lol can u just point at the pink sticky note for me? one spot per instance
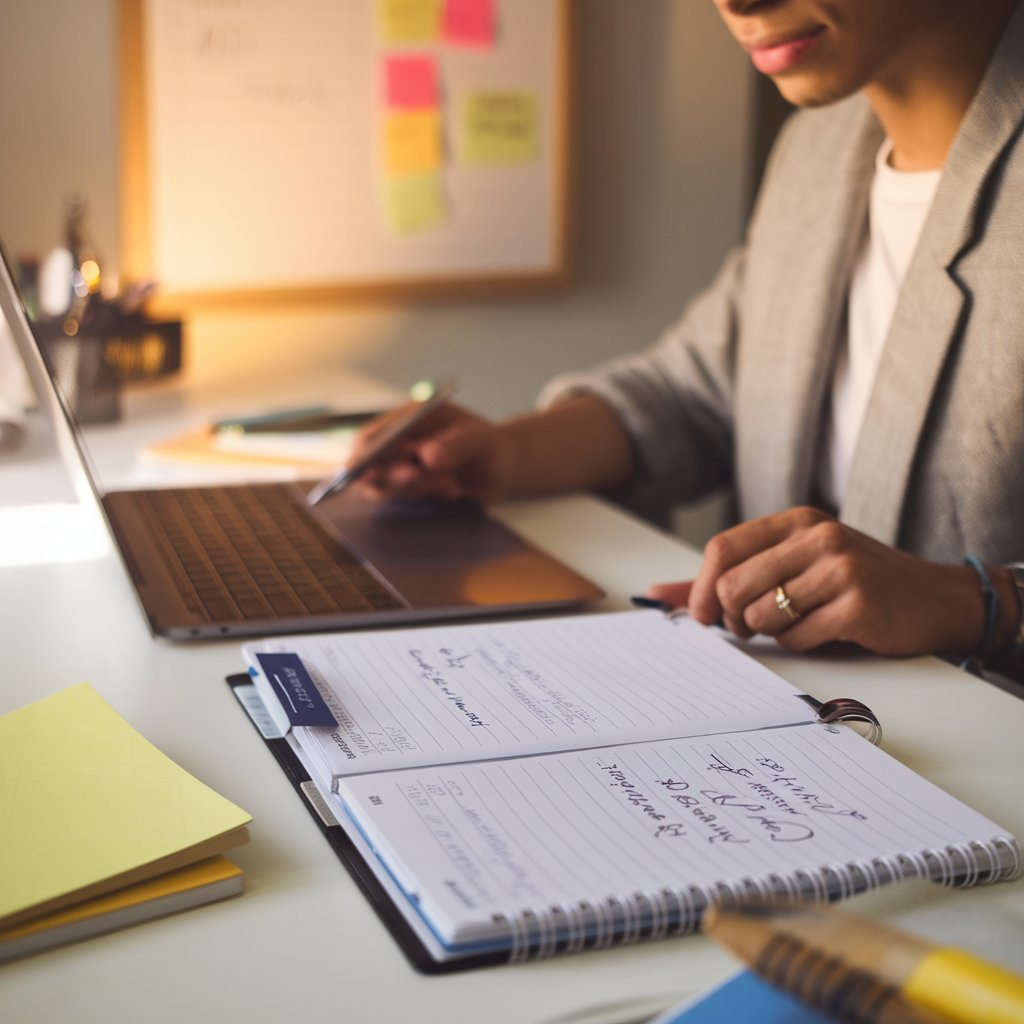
(410, 82)
(468, 23)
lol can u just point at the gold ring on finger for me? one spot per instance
(784, 604)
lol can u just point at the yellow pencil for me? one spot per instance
(813, 952)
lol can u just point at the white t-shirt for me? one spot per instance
(898, 206)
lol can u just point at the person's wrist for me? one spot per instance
(510, 475)
(962, 627)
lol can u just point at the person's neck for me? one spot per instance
(921, 107)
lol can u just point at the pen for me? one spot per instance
(426, 400)
(671, 610)
(639, 601)
(796, 949)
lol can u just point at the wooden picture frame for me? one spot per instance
(255, 154)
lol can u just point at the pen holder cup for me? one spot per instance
(91, 367)
(88, 383)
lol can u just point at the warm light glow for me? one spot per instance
(91, 274)
(41, 534)
(422, 390)
(110, 285)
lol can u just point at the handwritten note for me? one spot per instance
(499, 128)
(654, 828)
(459, 693)
(468, 23)
(409, 21)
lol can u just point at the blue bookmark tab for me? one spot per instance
(295, 689)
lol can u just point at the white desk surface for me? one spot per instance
(302, 943)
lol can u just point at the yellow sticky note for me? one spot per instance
(500, 128)
(409, 21)
(415, 203)
(84, 799)
(412, 142)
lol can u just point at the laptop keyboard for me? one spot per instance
(250, 553)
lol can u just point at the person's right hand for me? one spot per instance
(452, 454)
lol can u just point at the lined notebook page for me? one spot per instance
(471, 841)
(463, 693)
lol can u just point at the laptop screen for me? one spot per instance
(29, 330)
(110, 382)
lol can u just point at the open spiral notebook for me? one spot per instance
(512, 790)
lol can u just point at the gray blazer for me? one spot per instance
(735, 391)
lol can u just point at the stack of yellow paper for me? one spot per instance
(89, 808)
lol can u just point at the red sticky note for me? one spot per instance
(410, 82)
(468, 23)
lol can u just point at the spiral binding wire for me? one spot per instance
(642, 916)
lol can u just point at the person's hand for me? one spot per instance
(452, 454)
(841, 585)
(574, 444)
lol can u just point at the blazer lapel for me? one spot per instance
(933, 305)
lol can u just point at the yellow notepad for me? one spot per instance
(88, 805)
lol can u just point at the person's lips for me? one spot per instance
(774, 56)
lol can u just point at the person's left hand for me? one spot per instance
(841, 585)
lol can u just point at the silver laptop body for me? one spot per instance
(256, 559)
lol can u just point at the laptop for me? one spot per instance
(258, 559)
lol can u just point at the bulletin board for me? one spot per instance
(349, 148)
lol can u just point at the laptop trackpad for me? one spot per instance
(441, 554)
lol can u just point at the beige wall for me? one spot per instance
(665, 111)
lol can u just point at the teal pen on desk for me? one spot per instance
(311, 418)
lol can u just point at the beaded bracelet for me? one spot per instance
(986, 648)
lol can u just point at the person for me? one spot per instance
(856, 369)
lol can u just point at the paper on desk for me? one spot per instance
(207, 456)
(329, 448)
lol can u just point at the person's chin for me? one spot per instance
(811, 91)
